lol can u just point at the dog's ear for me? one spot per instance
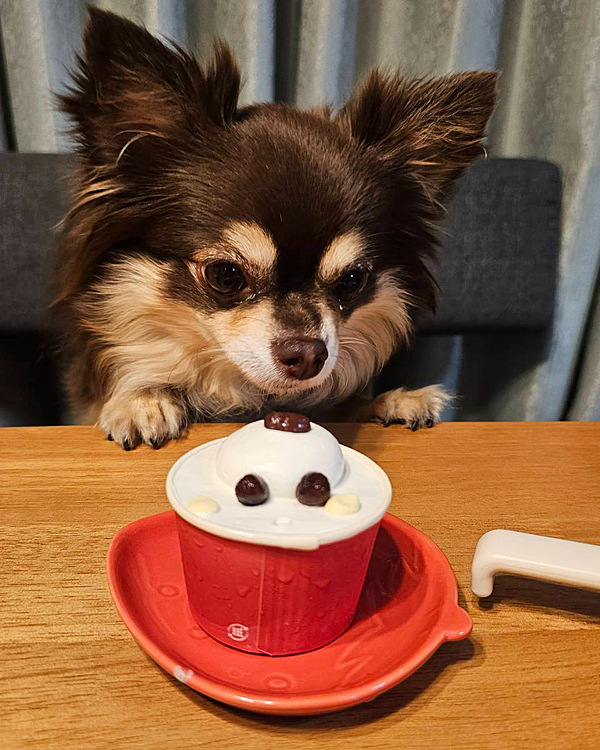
(129, 86)
(429, 128)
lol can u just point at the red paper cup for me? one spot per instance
(271, 600)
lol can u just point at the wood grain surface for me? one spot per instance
(71, 676)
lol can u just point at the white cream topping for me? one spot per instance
(361, 491)
(279, 458)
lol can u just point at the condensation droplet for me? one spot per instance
(168, 590)
(221, 593)
(197, 633)
(279, 682)
(285, 576)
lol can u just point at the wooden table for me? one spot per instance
(73, 677)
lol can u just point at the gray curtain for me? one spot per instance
(309, 51)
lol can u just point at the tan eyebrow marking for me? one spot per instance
(341, 253)
(253, 243)
(244, 241)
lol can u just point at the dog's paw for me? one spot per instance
(421, 408)
(153, 418)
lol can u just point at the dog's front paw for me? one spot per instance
(150, 417)
(421, 408)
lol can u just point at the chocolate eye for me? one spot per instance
(351, 283)
(313, 489)
(225, 277)
(251, 490)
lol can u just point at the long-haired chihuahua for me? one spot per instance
(219, 260)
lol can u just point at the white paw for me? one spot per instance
(152, 418)
(421, 408)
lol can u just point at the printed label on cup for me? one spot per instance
(237, 632)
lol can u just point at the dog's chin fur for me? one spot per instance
(329, 221)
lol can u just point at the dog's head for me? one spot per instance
(291, 245)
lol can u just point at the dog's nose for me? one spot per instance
(300, 358)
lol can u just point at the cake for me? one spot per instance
(276, 525)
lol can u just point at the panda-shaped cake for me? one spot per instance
(276, 527)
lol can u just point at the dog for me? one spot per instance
(219, 260)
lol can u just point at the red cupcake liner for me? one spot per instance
(271, 600)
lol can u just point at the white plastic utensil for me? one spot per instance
(558, 560)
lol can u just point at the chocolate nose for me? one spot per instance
(300, 358)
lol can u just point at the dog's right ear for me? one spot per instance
(130, 86)
(429, 128)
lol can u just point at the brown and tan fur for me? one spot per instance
(324, 223)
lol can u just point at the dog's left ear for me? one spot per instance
(428, 128)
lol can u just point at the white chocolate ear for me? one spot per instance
(202, 504)
(342, 505)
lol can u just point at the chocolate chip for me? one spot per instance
(251, 490)
(287, 421)
(313, 489)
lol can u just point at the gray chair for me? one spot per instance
(497, 269)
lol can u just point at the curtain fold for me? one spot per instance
(586, 400)
(550, 108)
(308, 52)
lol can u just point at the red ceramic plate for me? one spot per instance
(408, 608)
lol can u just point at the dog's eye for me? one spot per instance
(351, 283)
(225, 277)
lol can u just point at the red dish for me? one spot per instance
(408, 608)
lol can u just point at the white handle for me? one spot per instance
(535, 556)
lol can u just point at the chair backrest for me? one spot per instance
(497, 268)
(33, 196)
(498, 263)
